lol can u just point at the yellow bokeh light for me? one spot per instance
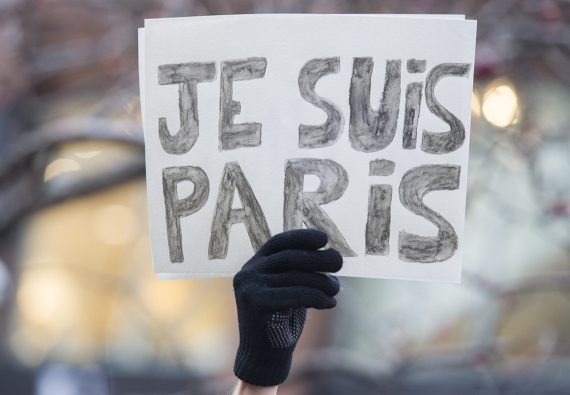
(501, 104)
(60, 166)
(87, 286)
(166, 301)
(87, 154)
(115, 224)
(475, 104)
(46, 297)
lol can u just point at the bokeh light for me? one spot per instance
(115, 224)
(501, 104)
(44, 294)
(475, 104)
(60, 166)
(87, 154)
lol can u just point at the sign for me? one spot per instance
(354, 124)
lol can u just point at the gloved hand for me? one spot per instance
(273, 291)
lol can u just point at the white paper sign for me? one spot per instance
(357, 125)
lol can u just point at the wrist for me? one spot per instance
(244, 388)
(262, 367)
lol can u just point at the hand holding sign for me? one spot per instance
(273, 291)
(261, 116)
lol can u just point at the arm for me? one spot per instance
(243, 388)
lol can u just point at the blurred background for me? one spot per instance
(81, 311)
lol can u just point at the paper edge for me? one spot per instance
(183, 19)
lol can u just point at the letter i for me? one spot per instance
(413, 102)
(379, 205)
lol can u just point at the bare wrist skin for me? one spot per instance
(244, 388)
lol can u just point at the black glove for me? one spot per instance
(273, 291)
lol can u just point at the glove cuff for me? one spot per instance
(263, 367)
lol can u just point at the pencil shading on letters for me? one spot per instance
(415, 66)
(371, 130)
(441, 143)
(178, 208)
(416, 183)
(379, 210)
(187, 76)
(412, 114)
(232, 136)
(225, 216)
(314, 136)
(303, 208)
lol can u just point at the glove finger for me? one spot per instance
(323, 282)
(302, 239)
(301, 260)
(293, 297)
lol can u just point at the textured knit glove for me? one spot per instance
(273, 291)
